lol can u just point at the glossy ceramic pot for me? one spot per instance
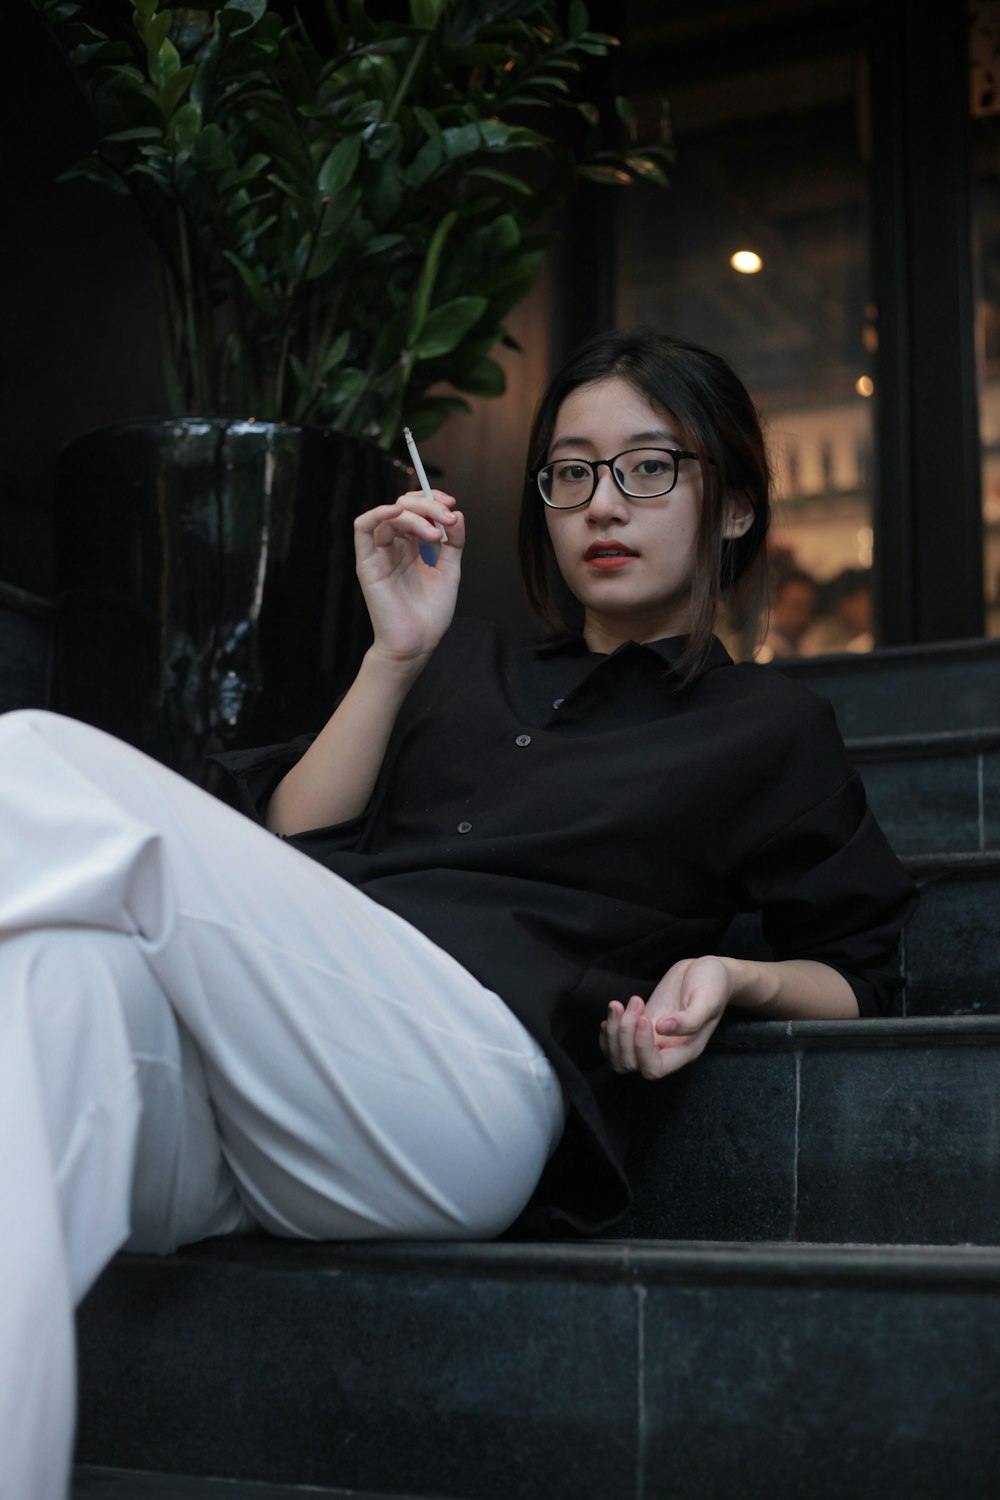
(205, 586)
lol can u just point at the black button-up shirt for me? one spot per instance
(568, 825)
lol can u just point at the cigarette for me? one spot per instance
(421, 474)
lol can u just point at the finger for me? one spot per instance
(611, 1036)
(648, 1055)
(626, 1034)
(669, 1056)
(439, 505)
(700, 1009)
(408, 523)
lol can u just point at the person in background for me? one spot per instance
(844, 615)
(793, 608)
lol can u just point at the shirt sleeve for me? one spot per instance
(830, 888)
(247, 778)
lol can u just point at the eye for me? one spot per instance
(651, 468)
(571, 473)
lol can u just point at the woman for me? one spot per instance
(521, 860)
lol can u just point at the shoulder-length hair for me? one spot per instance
(718, 421)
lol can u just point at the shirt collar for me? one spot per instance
(668, 649)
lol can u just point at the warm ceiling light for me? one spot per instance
(865, 385)
(747, 261)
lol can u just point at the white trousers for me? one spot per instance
(202, 1031)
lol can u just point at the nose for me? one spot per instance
(607, 503)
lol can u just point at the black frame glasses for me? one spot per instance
(543, 476)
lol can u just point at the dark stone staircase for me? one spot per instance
(804, 1300)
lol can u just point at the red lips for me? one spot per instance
(618, 548)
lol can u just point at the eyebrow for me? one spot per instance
(636, 440)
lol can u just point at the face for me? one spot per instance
(629, 562)
(795, 608)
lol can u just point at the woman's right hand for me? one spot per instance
(410, 603)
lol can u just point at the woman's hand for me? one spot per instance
(410, 603)
(673, 1027)
(670, 1029)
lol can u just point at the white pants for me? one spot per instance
(202, 1031)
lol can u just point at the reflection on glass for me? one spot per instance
(774, 159)
(984, 103)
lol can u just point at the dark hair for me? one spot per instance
(718, 421)
(793, 575)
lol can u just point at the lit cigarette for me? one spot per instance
(421, 475)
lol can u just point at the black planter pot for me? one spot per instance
(206, 594)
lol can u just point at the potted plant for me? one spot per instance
(341, 215)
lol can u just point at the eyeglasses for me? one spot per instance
(640, 473)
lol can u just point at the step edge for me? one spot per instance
(630, 1261)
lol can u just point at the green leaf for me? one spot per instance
(506, 233)
(237, 16)
(213, 148)
(504, 178)
(340, 166)
(381, 244)
(460, 140)
(425, 13)
(388, 194)
(344, 385)
(428, 274)
(579, 20)
(165, 64)
(327, 252)
(483, 379)
(643, 167)
(595, 173)
(427, 121)
(184, 126)
(259, 293)
(335, 353)
(137, 133)
(301, 374)
(174, 89)
(382, 141)
(93, 170)
(433, 410)
(447, 326)
(626, 113)
(428, 160)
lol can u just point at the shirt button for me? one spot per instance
(558, 703)
(465, 828)
(523, 739)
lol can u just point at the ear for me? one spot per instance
(737, 517)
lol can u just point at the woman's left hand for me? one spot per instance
(670, 1029)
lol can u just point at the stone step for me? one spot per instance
(94, 1482)
(934, 793)
(950, 685)
(951, 946)
(563, 1372)
(874, 1132)
(950, 950)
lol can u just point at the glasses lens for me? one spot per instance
(646, 471)
(568, 482)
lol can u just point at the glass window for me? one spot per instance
(984, 38)
(760, 250)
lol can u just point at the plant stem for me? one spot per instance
(407, 78)
(320, 346)
(187, 287)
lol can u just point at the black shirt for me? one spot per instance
(567, 825)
